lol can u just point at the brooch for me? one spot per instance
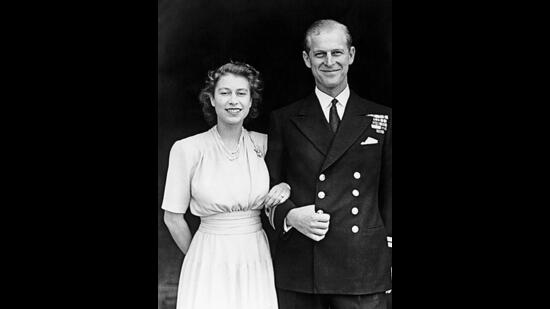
(258, 151)
(379, 122)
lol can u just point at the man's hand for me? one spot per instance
(306, 221)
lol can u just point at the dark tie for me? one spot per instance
(334, 120)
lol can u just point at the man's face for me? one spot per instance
(329, 59)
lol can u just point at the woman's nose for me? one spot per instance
(233, 99)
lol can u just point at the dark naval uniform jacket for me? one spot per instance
(347, 175)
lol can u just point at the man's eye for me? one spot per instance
(224, 93)
(319, 55)
(337, 53)
(241, 93)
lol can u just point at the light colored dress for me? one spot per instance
(228, 264)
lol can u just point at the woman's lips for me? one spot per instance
(233, 110)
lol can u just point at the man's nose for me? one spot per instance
(330, 61)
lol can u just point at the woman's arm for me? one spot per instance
(277, 195)
(178, 229)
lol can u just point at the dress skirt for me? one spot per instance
(228, 265)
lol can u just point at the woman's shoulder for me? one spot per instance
(260, 140)
(257, 136)
(192, 144)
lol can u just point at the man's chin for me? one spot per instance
(331, 84)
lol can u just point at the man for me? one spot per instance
(334, 149)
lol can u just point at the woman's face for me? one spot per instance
(232, 99)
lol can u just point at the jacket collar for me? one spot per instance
(311, 122)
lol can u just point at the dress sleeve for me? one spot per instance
(181, 166)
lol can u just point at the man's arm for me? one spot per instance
(287, 215)
(385, 193)
(386, 186)
(275, 159)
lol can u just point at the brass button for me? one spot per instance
(322, 177)
(321, 195)
(355, 229)
(355, 192)
(354, 211)
(356, 175)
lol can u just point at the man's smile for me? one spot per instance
(330, 71)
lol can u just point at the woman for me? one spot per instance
(221, 175)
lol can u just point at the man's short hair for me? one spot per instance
(325, 24)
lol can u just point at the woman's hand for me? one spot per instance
(277, 195)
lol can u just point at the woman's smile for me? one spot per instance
(234, 110)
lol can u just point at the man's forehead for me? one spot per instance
(327, 49)
(329, 35)
(327, 43)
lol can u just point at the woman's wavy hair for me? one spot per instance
(237, 68)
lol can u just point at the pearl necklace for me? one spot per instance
(231, 155)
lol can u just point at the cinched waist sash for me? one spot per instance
(232, 223)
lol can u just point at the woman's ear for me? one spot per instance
(211, 100)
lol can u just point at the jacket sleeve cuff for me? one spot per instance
(286, 227)
(280, 215)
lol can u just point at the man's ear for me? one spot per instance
(351, 54)
(307, 61)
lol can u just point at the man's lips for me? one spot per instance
(330, 71)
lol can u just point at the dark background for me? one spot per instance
(80, 136)
(196, 36)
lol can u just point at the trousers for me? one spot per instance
(296, 300)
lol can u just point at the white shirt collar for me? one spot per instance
(326, 101)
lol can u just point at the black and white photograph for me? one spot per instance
(270, 129)
(274, 154)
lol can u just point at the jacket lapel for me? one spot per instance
(311, 122)
(352, 126)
